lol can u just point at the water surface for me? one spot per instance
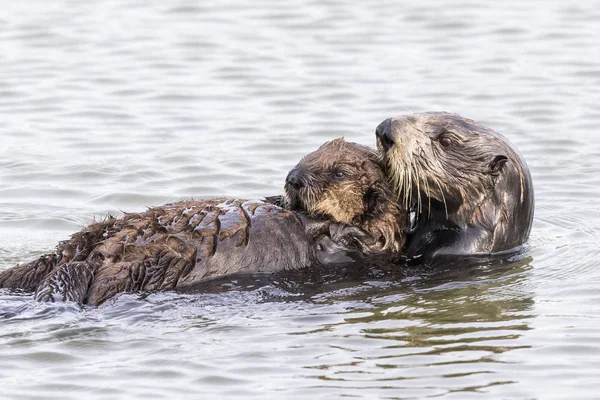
(117, 105)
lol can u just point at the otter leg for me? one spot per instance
(28, 276)
(161, 272)
(114, 278)
(68, 282)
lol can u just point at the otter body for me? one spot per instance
(468, 189)
(168, 247)
(186, 243)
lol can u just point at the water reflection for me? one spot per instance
(414, 334)
(442, 332)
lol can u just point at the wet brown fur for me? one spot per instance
(166, 247)
(345, 181)
(185, 243)
(458, 177)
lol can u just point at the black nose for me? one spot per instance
(294, 179)
(384, 134)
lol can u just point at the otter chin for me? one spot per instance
(466, 187)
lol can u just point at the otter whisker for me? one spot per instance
(398, 187)
(436, 180)
(428, 198)
(401, 188)
(400, 177)
(412, 185)
(398, 180)
(408, 189)
(418, 187)
(419, 168)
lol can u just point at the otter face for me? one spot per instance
(461, 170)
(336, 180)
(344, 181)
(441, 156)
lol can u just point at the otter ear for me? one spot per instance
(497, 163)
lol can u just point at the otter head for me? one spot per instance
(344, 181)
(453, 169)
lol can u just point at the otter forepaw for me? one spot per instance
(353, 238)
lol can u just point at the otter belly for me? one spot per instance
(168, 247)
(252, 237)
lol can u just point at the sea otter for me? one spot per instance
(182, 244)
(346, 183)
(468, 190)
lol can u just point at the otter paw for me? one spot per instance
(353, 238)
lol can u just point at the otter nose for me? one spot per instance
(294, 179)
(385, 135)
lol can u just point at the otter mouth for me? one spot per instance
(293, 202)
(295, 198)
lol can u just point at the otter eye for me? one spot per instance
(339, 174)
(445, 141)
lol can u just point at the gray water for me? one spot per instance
(117, 105)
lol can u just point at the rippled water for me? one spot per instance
(118, 105)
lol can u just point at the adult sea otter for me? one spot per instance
(468, 188)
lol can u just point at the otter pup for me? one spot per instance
(345, 182)
(182, 244)
(468, 188)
